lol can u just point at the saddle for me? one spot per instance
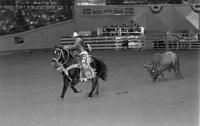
(84, 60)
(86, 71)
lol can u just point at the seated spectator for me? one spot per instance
(31, 14)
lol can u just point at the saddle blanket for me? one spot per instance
(86, 70)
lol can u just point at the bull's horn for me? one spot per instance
(145, 65)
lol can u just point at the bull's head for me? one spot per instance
(153, 71)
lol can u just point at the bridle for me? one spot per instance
(61, 55)
(61, 65)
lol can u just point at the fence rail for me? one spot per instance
(177, 45)
(150, 41)
(95, 42)
(110, 42)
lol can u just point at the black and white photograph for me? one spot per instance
(99, 62)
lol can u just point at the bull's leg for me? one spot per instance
(177, 72)
(174, 68)
(94, 85)
(66, 83)
(178, 68)
(162, 75)
(154, 79)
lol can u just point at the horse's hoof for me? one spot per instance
(78, 91)
(181, 77)
(89, 96)
(60, 99)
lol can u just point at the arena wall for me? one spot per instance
(176, 17)
(171, 17)
(45, 37)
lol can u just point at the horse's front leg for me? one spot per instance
(66, 83)
(94, 86)
(74, 89)
(73, 84)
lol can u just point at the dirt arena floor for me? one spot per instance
(30, 87)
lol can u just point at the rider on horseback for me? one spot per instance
(80, 47)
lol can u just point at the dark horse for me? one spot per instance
(65, 59)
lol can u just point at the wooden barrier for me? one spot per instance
(101, 42)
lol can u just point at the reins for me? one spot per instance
(61, 54)
(65, 70)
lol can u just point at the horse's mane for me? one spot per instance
(70, 53)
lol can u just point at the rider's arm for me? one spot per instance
(89, 47)
(75, 45)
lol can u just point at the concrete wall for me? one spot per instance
(46, 37)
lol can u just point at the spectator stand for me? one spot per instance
(7, 20)
(24, 15)
(121, 30)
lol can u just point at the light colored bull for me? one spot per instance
(162, 62)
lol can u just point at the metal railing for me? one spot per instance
(176, 45)
(101, 42)
(150, 41)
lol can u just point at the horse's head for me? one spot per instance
(60, 58)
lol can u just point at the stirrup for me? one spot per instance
(84, 79)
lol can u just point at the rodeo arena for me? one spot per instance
(99, 62)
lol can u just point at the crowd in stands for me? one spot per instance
(31, 14)
(28, 14)
(7, 21)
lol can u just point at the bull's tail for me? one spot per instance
(173, 56)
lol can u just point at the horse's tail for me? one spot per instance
(103, 70)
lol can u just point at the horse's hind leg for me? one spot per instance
(97, 87)
(94, 86)
(65, 86)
